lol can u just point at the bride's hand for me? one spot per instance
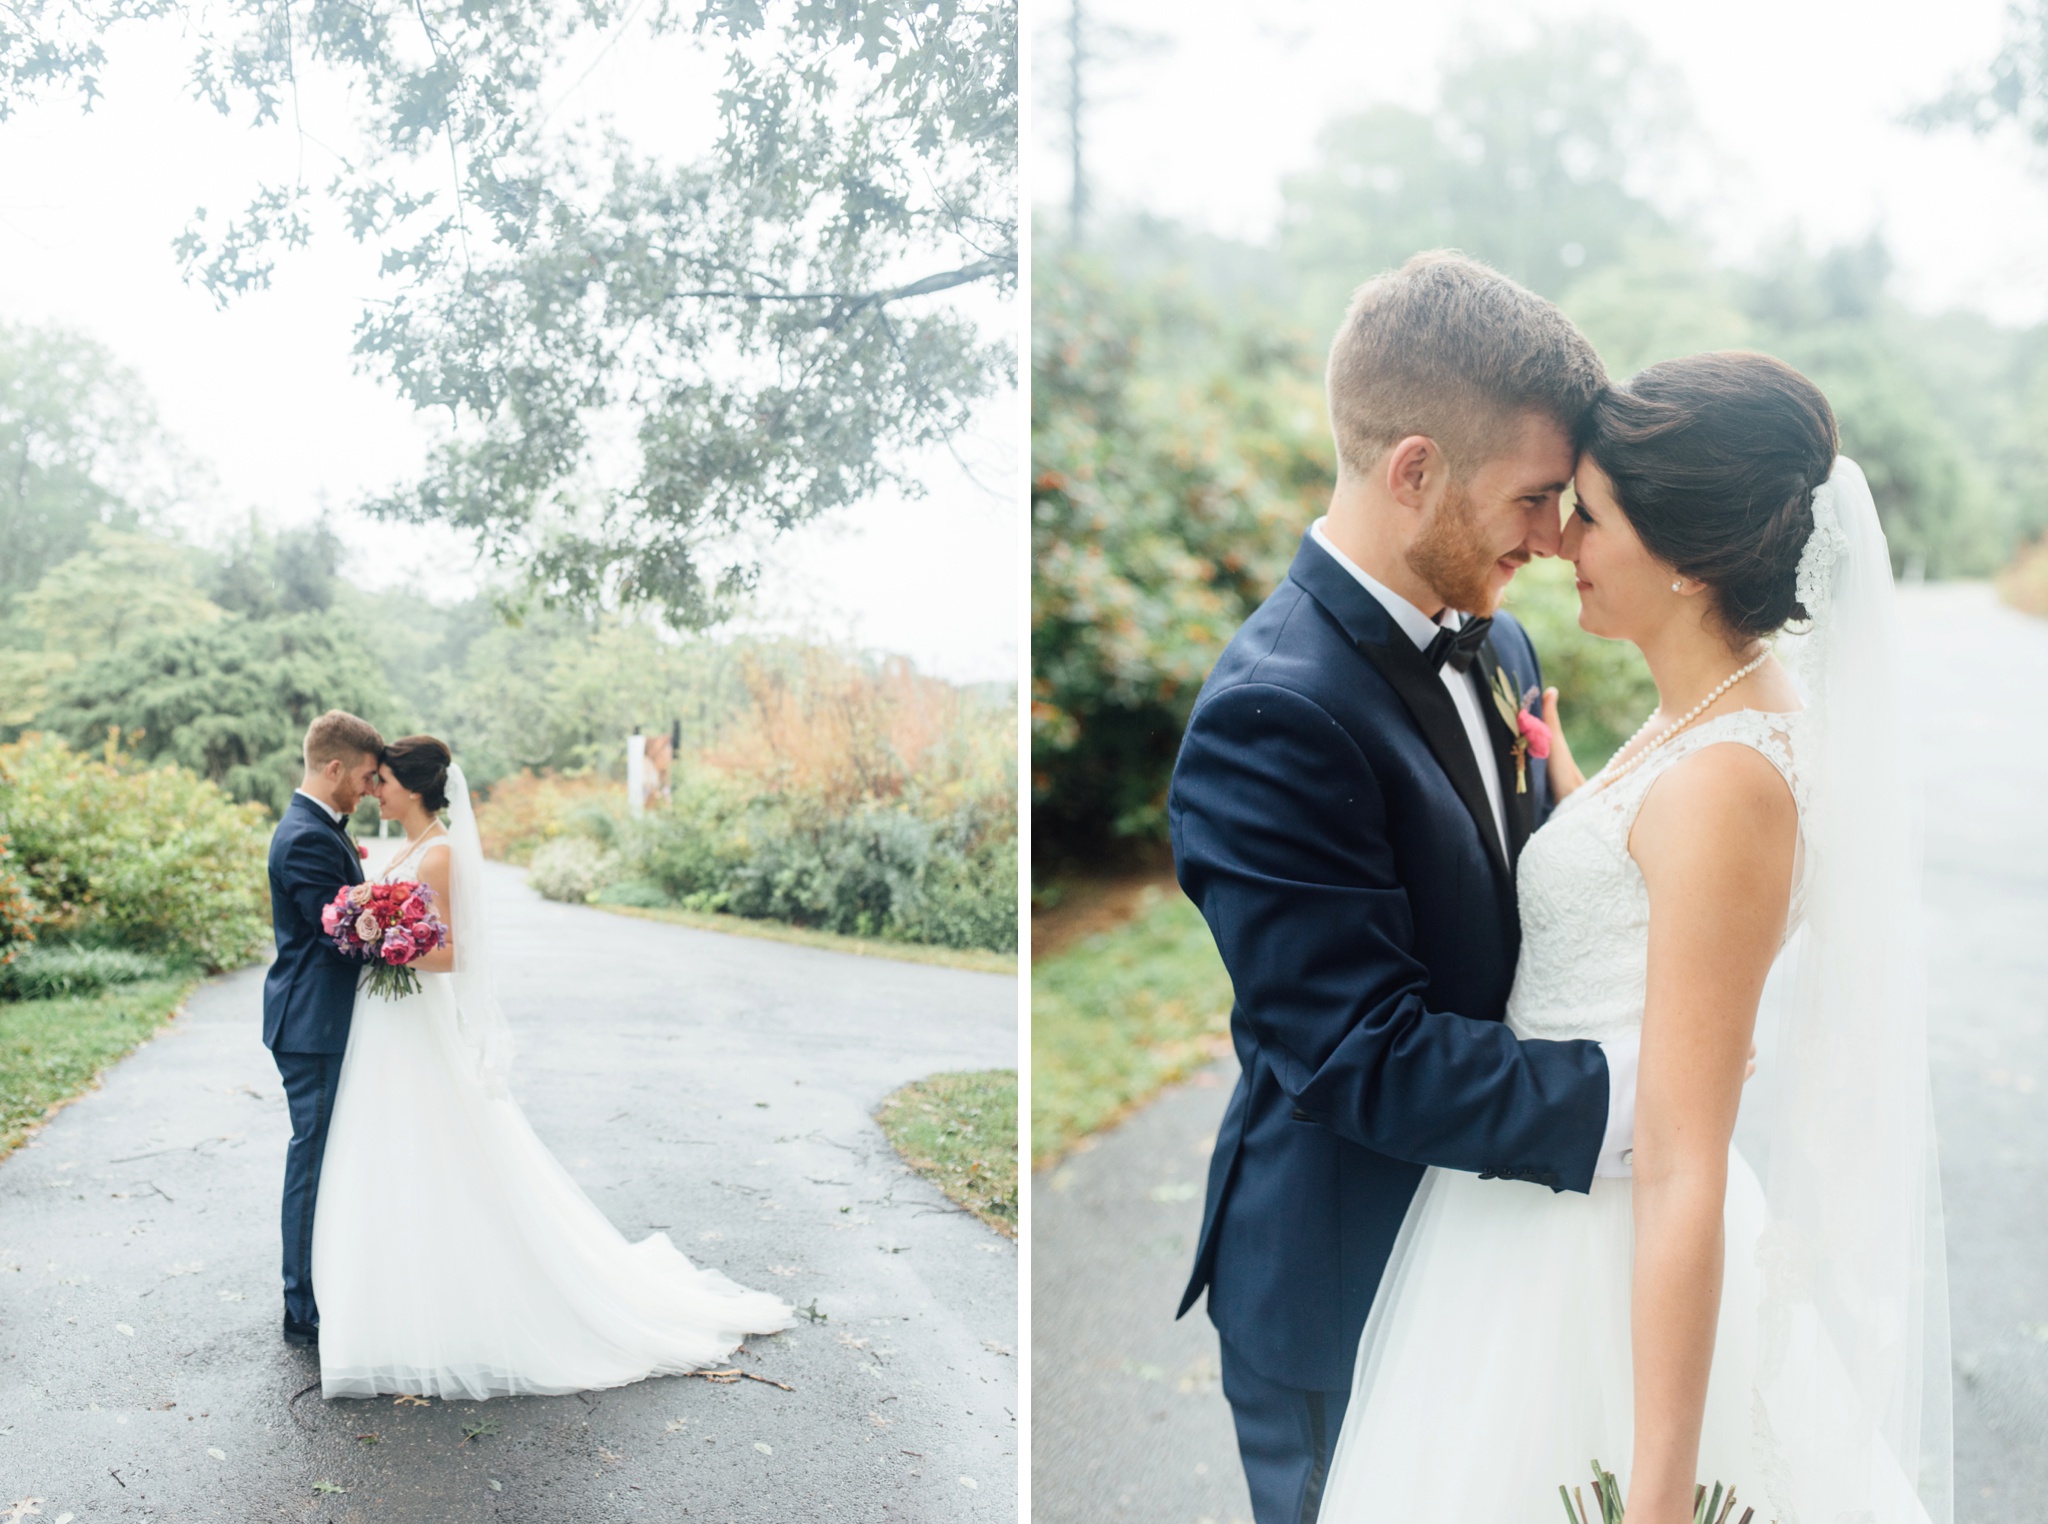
(1564, 772)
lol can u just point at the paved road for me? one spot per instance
(1128, 1421)
(717, 1087)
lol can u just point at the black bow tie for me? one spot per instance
(1459, 647)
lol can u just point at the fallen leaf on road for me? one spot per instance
(407, 1400)
(217, 1454)
(483, 1430)
(764, 1449)
(184, 1269)
(784, 1270)
(231, 1296)
(994, 1348)
(323, 1485)
(969, 1483)
(609, 1457)
(22, 1508)
(495, 1486)
(368, 1439)
(675, 1424)
(124, 1329)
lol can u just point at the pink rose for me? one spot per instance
(398, 946)
(1536, 733)
(332, 917)
(367, 927)
(359, 896)
(413, 911)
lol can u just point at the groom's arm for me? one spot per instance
(311, 872)
(1280, 837)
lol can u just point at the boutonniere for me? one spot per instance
(1532, 736)
(362, 851)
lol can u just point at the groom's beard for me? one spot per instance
(1452, 556)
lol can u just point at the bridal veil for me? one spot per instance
(479, 1017)
(1851, 1401)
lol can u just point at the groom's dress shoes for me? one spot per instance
(305, 1335)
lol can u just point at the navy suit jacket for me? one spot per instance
(310, 991)
(1330, 821)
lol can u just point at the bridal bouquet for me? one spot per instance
(1707, 1508)
(386, 926)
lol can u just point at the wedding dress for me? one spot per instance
(1496, 1361)
(452, 1255)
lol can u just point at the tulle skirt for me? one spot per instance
(453, 1257)
(1496, 1362)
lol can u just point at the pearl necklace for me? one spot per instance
(1606, 778)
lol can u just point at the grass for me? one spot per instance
(831, 941)
(959, 1131)
(51, 1051)
(1118, 1016)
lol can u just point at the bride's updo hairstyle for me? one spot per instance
(1714, 459)
(420, 764)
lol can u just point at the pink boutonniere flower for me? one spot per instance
(1532, 736)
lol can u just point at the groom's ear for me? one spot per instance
(1415, 471)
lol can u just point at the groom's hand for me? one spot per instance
(1564, 772)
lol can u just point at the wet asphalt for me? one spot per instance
(715, 1087)
(1129, 1422)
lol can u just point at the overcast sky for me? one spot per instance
(1800, 98)
(266, 392)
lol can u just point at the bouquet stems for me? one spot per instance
(1707, 1508)
(392, 981)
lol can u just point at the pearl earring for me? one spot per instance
(1678, 587)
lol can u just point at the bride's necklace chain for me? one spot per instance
(1607, 778)
(419, 841)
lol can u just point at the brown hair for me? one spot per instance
(1447, 348)
(338, 736)
(420, 764)
(1714, 459)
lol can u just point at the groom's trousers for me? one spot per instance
(1285, 1437)
(309, 1085)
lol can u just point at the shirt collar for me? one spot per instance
(1418, 626)
(332, 813)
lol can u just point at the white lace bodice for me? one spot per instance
(405, 868)
(1584, 906)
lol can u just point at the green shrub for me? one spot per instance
(571, 869)
(154, 859)
(56, 973)
(880, 870)
(19, 912)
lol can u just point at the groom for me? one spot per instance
(310, 993)
(1347, 810)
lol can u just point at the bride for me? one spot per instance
(1771, 1316)
(454, 1256)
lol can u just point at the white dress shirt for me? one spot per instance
(1617, 1144)
(332, 813)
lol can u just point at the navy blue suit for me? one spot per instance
(308, 997)
(1330, 821)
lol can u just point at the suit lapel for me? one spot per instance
(321, 817)
(1519, 808)
(1390, 650)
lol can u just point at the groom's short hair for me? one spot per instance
(1447, 348)
(338, 736)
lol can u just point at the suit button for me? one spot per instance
(1487, 1174)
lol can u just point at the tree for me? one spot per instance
(264, 574)
(761, 330)
(1533, 158)
(123, 586)
(229, 701)
(79, 447)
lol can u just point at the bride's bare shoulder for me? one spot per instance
(1725, 809)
